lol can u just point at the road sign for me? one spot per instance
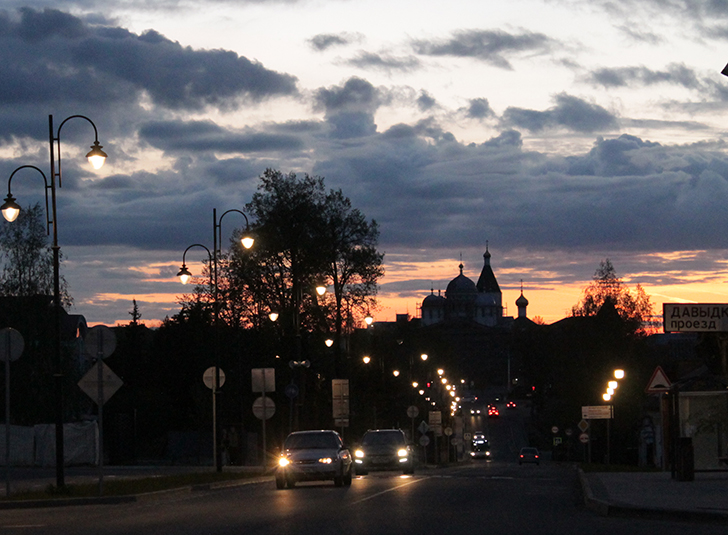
(264, 408)
(584, 438)
(110, 382)
(291, 390)
(695, 317)
(423, 427)
(424, 440)
(447, 431)
(209, 378)
(263, 379)
(11, 344)
(583, 426)
(100, 342)
(554, 430)
(412, 411)
(658, 382)
(597, 412)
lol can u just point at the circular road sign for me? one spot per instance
(209, 377)
(291, 390)
(584, 438)
(424, 440)
(554, 430)
(264, 408)
(100, 342)
(11, 344)
(412, 411)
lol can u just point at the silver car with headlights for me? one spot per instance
(314, 456)
(384, 449)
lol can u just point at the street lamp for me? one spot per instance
(185, 276)
(11, 210)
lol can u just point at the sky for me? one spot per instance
(556, 133)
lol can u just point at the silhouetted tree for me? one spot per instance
(635, 310)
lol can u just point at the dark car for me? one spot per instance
(314, 456)
(528, 455)
(384, 449)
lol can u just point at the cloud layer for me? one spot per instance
(590, 168)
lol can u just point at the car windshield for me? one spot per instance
(312, 441)
(382, 439)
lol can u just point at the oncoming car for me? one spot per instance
(314, 456)
(480, 449)
(384, 449)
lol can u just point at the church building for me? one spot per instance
(466, 301)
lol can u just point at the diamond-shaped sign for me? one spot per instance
(110, 382)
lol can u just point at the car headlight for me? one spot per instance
(326, 460)
(402, 453)
(283, 461)
(487, 453)
(359, 454)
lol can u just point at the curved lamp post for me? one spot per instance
(184, 275)
(11, 210)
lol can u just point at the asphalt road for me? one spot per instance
(480, 497)
(477, 498)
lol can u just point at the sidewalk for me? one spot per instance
(656, 494)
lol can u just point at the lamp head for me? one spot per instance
(10, 208)
(273, 316)
(368, 320)
(184, 275)
(96, 156)
(320, 289)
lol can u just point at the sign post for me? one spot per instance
(264, 380)
(100, 342)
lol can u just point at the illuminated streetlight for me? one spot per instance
(395, 373)
(619, 374)
(11, 210)
(329, 342)
(366, 360)
(440, 371)
(273, 316)
(423, 356)
(606, 397)
(613, 384)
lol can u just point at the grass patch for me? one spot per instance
(130, 486)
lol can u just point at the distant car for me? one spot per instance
(314, 456)
(384, 449)
(478, 435)
(480, 449)
(511, 405)
(493, 412)
(529, 455)
(474, 411)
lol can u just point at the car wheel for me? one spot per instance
(347, 478)
(339, 481)
(280, 482)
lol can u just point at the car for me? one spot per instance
(478, 435)
(474, 411)
(480, 449)
(317, 455)
(528, 455)
(493, 412)
(384, 449)
(511, 405)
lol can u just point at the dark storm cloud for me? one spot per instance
(570, 112)
(425, 101)
(478, 108)
(324, 41)
(356, 94)
(674, 74)
(492, 46)
(50, 55)
(206, 136)
(388, 63)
